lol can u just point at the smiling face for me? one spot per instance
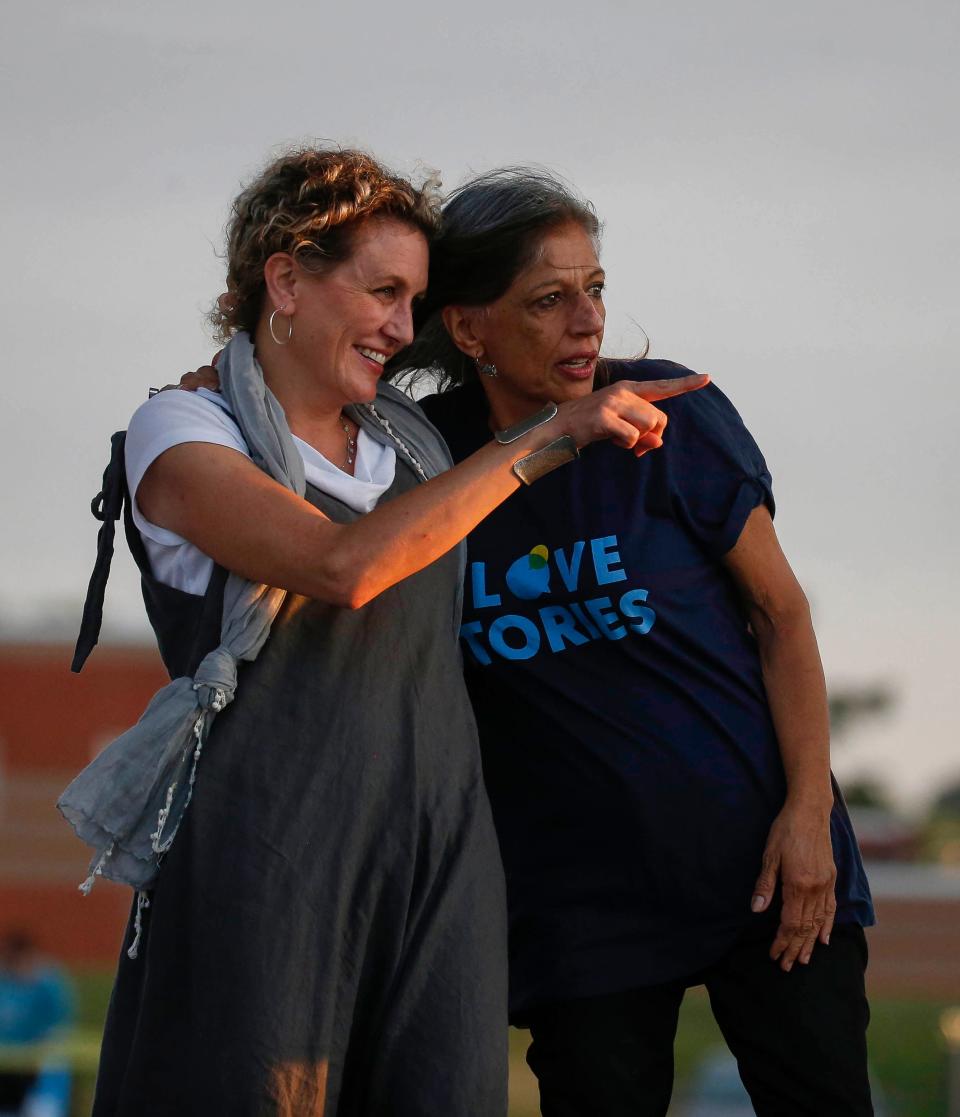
(544, 333)
(350, 320)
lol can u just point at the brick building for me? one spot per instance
(52, 723)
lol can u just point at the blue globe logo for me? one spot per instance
(529, 577)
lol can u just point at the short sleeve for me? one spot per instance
(170, 419)
(710, 470)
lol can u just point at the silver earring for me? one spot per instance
(289, 319)
(484, 368)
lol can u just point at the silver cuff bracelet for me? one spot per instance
(540, 462)
(525, 426)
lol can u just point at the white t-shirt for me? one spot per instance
(172, 418)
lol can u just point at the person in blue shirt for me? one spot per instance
(35, 1001)
(650, 699)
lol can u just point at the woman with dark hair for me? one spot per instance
(650, 700)
(322, 931)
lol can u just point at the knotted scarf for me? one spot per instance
(128, 803)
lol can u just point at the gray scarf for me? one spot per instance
(128, 803)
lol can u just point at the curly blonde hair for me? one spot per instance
(310, 202)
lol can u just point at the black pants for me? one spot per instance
(799, 1038)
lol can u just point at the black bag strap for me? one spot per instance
(107, 507)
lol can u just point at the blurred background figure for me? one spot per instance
(36, 1006)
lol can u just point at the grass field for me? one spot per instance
(907, 1054)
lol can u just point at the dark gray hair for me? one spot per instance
(490, 230)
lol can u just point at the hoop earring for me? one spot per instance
(485, 369)
(289, 318)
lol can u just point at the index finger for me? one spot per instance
(652, 390)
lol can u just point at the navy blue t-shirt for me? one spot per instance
(627, 741)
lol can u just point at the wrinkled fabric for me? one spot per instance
(632, 830)
(128, 803)
(328, 931)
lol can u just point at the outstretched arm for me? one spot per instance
(245, 521)
(798, 849)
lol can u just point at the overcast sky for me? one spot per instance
(779, 184)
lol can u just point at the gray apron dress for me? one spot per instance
(327, 932)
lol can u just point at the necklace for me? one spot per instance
(351, 441)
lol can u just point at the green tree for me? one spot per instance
(851, 704)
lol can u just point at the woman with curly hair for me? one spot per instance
(323, 930)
